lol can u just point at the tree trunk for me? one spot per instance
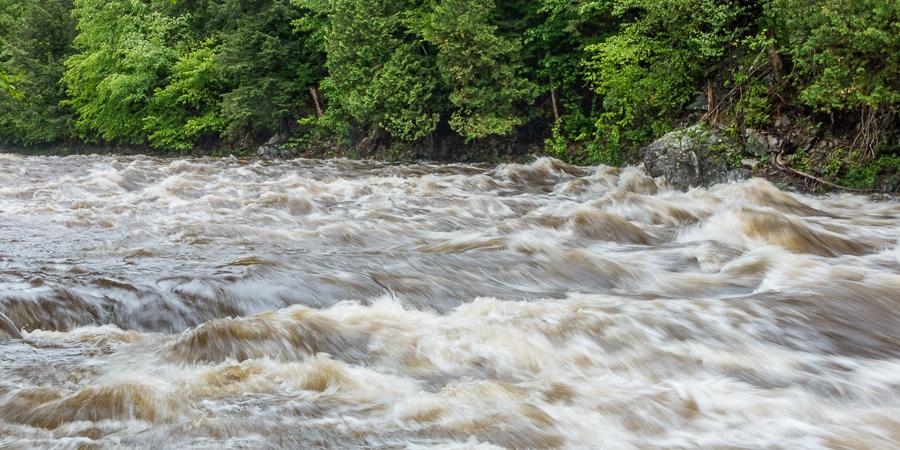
(314, 93)
(775, 61)
(555, 107)
(710, 103)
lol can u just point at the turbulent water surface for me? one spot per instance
(210, 303)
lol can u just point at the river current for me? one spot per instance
(231, 303)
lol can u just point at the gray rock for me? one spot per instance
(750, 163)
(783, 121)
(755, 142)
(277, 139)
(694, 156)
(264, 151)
(273, 152)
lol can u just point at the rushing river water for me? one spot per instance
(210, 303)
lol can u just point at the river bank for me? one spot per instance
(692, 156)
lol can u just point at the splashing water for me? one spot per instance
(226, 303)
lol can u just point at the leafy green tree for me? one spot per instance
(556, 44)
(183, 73)
(402, 67)
(35, 38)
(267, 66)
(125, 49)
(5, 84)
(595, 78)
(483, 70)
(845, 53)
(403, 88)
(380, 73)
(648, 71)
(187, 109)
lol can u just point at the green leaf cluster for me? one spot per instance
(845, 53)
(655, 64)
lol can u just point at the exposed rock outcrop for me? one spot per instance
(699, 156)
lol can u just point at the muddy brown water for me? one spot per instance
(228, 303)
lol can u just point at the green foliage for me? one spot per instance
(6, 85)
(187, 108)
(379, 74)
(176, 75)
(125, 50)
(555, 44)
(402, 67)
(405, 85)
(850, 167)
(754, 105)
(846, 53)
(650, 69)
(35, 38)
(866, 176)
(592, 79)
(480, 67)
(266, 64)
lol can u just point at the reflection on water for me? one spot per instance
(210, 303)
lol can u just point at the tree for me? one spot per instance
(187, 108)
(483, 70)
(845, 57)
(556, 46)
(845, 54)
(648, 71)
(593, 79)
(381, 75)
(35, 39)
(266, 65)
(5, 84)
(125, 49)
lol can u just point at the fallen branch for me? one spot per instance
(781, 164)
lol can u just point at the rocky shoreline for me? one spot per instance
(699, 155)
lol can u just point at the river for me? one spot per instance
(232, 303)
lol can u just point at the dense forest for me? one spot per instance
(585, 80)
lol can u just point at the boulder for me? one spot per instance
(695, 156)
(275, 152)
(268, 151)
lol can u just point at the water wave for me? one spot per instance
(199, 303)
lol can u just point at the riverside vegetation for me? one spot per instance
(586, 81)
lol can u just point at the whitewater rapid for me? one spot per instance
(231, 303)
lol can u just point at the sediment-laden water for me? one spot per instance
(227, 303)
